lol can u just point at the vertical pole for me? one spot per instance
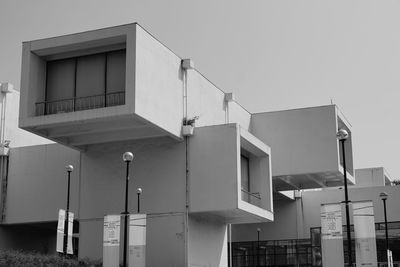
(126, 215)
(349, 249)
(386, 228)
(105, 80)
(138, 202)
(258, 246)
(75, 74)
(66, 223)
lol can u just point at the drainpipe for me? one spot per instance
(4, 149)
(187, 130)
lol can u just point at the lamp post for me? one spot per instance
(342, 136)
(69, 169)
(258, 246)
(138, 192)
(384, 197)
(127, 157)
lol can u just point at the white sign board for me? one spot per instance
(60, 231)
(331, 221)
(390, 258)
(137, 240)
(331, 235)
(111, 240)
(364, 232)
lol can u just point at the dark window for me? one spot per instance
(85, 82)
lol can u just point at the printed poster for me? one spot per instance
(111, 240)
(332, 235)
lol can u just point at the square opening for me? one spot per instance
(82, 82)
(255, 173)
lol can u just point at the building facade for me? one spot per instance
(210, 170)
(101, 93)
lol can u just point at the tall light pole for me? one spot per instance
(138, 192)
(342, 136)
(258, 246)
(127, 157)
(384, 197)
(69, 169)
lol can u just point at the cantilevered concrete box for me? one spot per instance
(372, 177)
(111, 84)
(306, 151)
(216, 177)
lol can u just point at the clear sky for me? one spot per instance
(272, 54)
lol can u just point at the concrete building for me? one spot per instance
(203, 161)
(11, 136)
(294, 238)
(10, 132)
(101, 93)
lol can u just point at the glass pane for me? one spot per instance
(60, 79)
(90, 75)
(116, 71)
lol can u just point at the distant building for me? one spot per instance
(11, 135)
(294, 238)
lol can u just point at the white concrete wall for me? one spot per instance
(37, 183)
(158, 83)
(370, 177)
(301, 140)
(207, 101)
(158, 168)
(214, 169)
(207, 242)
(165, 240)
(237, 114)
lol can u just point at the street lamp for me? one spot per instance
(342, 136)
(384, 197)
(69, 169)
(258, 246)
(127, 157)
(138, 192)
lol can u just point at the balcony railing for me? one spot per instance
(251, 197)
(80, 103)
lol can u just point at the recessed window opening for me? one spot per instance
(84, 82)
(248, 193)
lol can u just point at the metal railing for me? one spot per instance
(272, 253)
(80, 103)
(251, 197)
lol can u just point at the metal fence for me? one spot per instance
(80, 103)
(296, 252)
